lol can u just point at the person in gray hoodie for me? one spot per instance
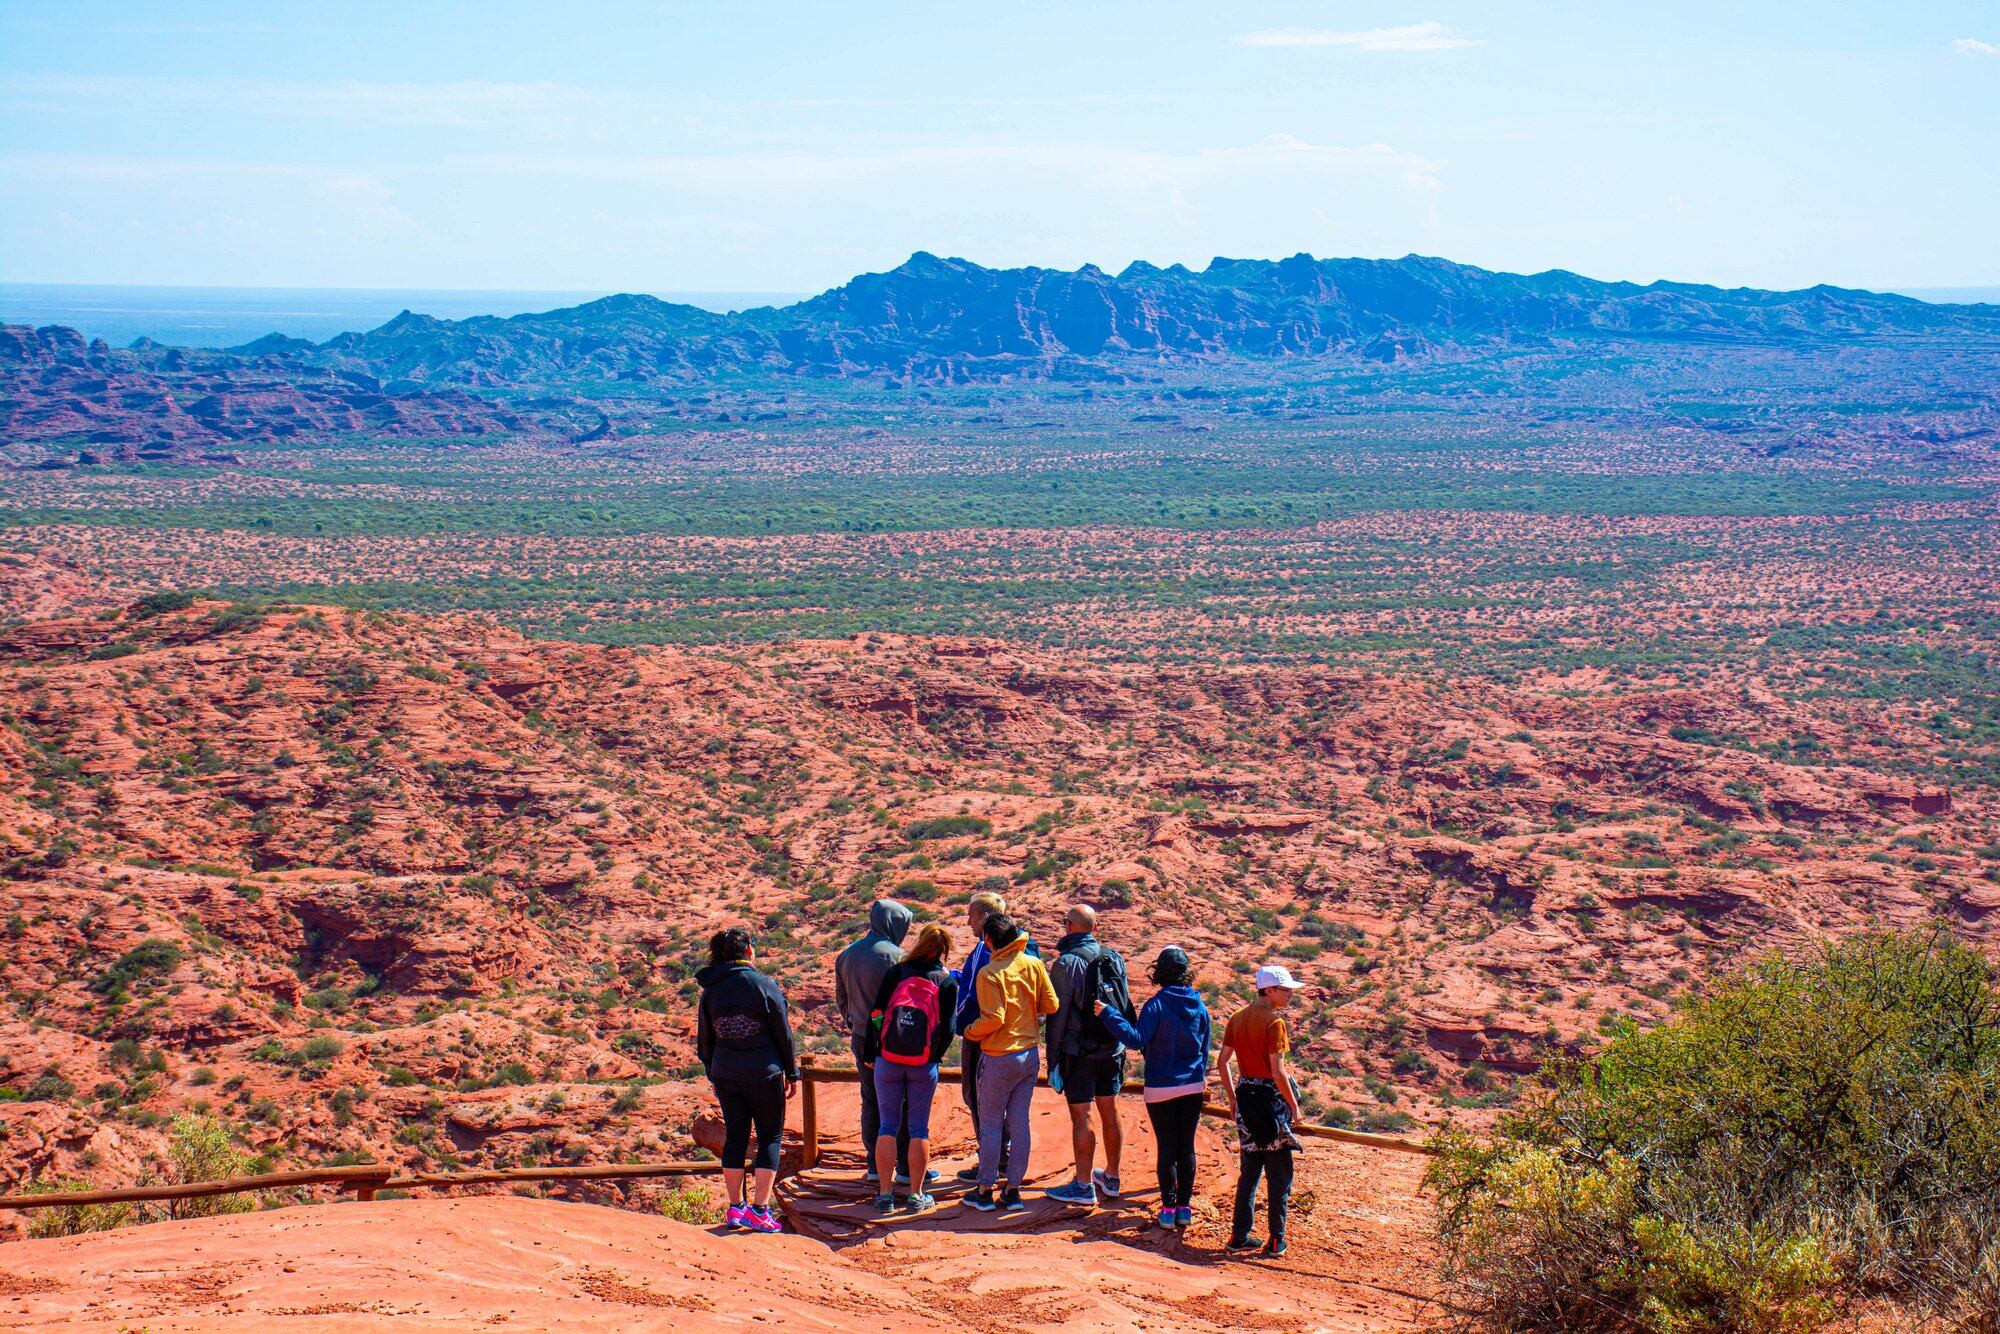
(857, 976)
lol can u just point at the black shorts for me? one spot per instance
(1088, 1078)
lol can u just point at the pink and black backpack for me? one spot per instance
(909, 1022)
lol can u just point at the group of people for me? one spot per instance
(1006, 1003)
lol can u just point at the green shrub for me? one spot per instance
(1811, 1131)
(50, 1087)
(319, 1049)
(145, 958)
(201, 1148)
(691, 1204)
(948, 826)
(67, 1220)
(166, 600)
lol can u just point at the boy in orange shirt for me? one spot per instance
(1263, 1103)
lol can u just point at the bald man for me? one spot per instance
(1085, 1056)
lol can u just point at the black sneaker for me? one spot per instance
(968, 1174)
(1243, 1245)
(983, 1201)
(1011, 1201)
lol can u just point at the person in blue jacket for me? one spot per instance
(1173, 1034)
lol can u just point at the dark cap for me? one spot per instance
(1171, 967)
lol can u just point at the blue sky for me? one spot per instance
(759, 146)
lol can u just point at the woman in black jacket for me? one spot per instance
(744, 1039)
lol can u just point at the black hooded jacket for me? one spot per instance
(744, 1031)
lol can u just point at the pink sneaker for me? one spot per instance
(761, 1220)
(738, 1216)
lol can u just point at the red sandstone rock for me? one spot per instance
(481, 868)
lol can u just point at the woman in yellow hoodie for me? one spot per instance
(1014, 995)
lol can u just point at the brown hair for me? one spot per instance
(933, 943)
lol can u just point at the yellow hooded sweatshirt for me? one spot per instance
(1014, 993)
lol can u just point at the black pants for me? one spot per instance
(871, 1114)
(968, 1078)
(748, 1102)
(1174, 1123)
(1276, 1166)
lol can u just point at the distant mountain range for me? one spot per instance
(933, 318)
(929, 320)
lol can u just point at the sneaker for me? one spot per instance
(918, 1203)
(1075, 1193)
(1183, 1217)
(969, 1175)
(982, 1200)
(885, 1204)
(1106, 1183)
(930, 1177)
(1244, 1245)
(1276, 1249)
(1011, 1201)
(1167, 1217)
(762, 1220)
(735, 1217)
(871, 1176)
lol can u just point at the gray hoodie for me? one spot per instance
(858, 972)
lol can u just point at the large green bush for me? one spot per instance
(1811, 1132)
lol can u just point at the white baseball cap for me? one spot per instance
(1277, 975)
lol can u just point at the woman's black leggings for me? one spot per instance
(747, 1102)
(1174, 1123)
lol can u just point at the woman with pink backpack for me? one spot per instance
(907, 1036)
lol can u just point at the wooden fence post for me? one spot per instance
(809, 1117)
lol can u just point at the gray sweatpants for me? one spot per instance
(1006, 1091)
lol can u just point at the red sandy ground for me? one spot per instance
(1358, 1261)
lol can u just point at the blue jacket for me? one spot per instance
(1172, 1032)
(968, 983)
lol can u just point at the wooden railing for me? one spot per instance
(847, 1074)
(363, 1181)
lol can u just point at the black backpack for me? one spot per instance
(1103, 979)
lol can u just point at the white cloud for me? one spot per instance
(350, 197)
(1972, 46)
(1429, 35)
(1107, 167)
(104, 168)
(583, 218)
(462, 104)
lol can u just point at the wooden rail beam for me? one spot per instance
(501, 1175)
(847, 1074)
(367, 1177)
